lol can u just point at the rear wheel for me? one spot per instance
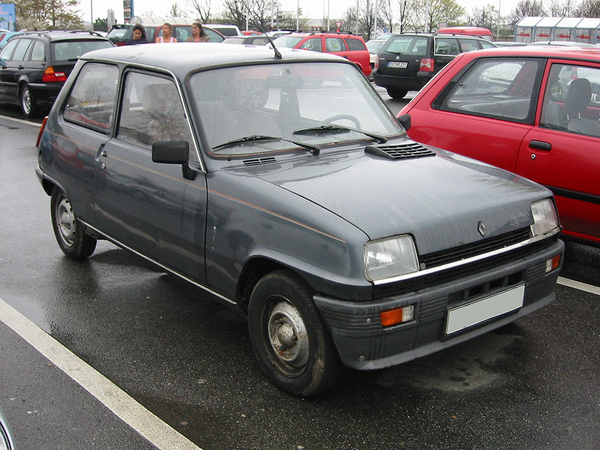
(28, 105)
(69, 232)
(397, 94)
(289, 337)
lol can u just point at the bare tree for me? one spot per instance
(561, 8)
(526, 8)
(405, 11)
(176, 11)
(235, 12)
(201, 9)
(588, 8)
(486, 17)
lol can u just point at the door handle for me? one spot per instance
(540, 145)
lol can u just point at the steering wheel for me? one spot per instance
(349, 117)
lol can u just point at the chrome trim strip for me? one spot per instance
(162, 266)
(462, 262)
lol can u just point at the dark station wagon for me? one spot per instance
(280, 183)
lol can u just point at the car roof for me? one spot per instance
(62, 35)
(184, 57)
(332, 34)
(589, 54)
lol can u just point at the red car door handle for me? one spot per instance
(540, 145)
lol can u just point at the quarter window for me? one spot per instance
(355, 44)
(38, 54)
(92, 99)
(500, 88)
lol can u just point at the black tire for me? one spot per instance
(397, 94)
(28, 105)
(288, 335)
(68, 231)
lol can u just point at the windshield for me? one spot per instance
(281, 107)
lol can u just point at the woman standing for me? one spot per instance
(166, 37)
(198, 34)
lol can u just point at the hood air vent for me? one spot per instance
(404, 151)
(259, 161)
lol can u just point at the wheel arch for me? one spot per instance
(253, 271)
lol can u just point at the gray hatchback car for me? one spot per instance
(281, 184)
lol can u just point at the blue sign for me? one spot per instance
(7, 16)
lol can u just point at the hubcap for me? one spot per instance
(65, 219)
(26, 101)
(287, 334)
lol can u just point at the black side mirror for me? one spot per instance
(404, 120)
(174, 152)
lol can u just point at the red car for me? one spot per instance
(532, 110)
(348, 46)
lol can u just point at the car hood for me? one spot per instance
(440, 199)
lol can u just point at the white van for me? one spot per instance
(225, 30)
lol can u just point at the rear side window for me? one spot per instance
(92, 100)
(408, 45)
(500, 88)
(445, 46)
(335, 45)
(38, 53)
(355, 44)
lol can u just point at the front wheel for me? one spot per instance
(289, 337)
(69, 232)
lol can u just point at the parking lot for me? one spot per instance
(179, 370)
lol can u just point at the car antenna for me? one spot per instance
(277, 52)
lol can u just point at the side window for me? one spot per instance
(446, 46)
(92, 99)
(500, 88)
(21, 50)
(152, 112)
(313, 44)
(468, 45)
(38, 53)
(355, 44)
(335, 45)
(572, 100)
(7, 52)
(486, 44)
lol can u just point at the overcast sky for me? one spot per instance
(314, 9)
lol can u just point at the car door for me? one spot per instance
(485, 112)
(158, 212)
(563, 152)
(12, 68)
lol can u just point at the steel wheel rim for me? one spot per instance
(26, 101)
(65, 221)
(288, 335)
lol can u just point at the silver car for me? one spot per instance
(281, 183)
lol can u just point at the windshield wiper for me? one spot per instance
(260, 137)
(340, 129)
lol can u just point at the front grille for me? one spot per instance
(476, 248)
(403, 151)
(455, 273)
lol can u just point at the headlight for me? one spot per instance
(390, 257)
(545, 218)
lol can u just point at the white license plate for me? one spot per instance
(496, 305)
(398, 64)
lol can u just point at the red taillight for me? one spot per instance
(426, 65)
(120, 44)
(37, 143)
(50, 75)
(377, 62)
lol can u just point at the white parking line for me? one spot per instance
(579, 285)
(119, 402)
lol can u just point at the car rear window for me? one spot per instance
(355, 44)
(71, 50)
(407, 45)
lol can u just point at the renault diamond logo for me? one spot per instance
(481, 228)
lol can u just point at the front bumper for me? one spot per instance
(364, 344)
